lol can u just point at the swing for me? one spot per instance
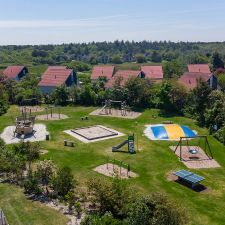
(193, 149)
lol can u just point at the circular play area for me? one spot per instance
(168, 132)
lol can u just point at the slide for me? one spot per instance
(115, 148)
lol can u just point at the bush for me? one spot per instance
(106, 219)
(110, 197)
(155, 209)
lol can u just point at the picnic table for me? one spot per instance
(189, 177)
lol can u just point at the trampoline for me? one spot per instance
(168, 132)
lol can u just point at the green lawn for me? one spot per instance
(152, 164)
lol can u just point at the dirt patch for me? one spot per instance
(54, 116)
(199, 160)
(43, 152)
(116, 113)
(112, 170)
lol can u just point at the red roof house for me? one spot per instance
(15, 72)
(190, 80)
(153, 72)
(124, 75)
(102, 71)
(199, 68)
(56, 76)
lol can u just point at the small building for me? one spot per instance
(102, 71)
(15, 72)
(154, 73)
(56, 76)
(124, 75)
(190, 80)
(199, 68)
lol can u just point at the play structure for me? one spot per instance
(116, 168)
(24, 124)
(169, 132)
(93, 133)
(113, 108)
(129, 142)
(108, 107)
(194, 150)
(52, 113)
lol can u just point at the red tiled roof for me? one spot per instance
(190, 80)
(124, 74)
(55, 76)
(199, 68)
(12, 71)
(102, 71)
(152, 72)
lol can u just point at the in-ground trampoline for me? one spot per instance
(169, 132)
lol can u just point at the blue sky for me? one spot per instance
(58, 21)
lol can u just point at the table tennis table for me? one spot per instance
(189, 177)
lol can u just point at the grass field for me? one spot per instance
(152, 163)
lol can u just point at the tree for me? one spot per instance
(31, 184)
(140, 58)
(173, 69)
(106, 219)
(110, 197)
(156, 209)
(217, 61)
(197, 102)
(221, 81)
(46, 170)
(215, 111)
(156, 57)
(60, 95)
(3, 100)
(117, 59)
(64, 182)
(138, 92)
(30, 151)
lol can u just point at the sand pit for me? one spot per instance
(54, 116)
(195, 161)
(116, 113)
(112, 170)
(93, 133)
(32, 109)
(39, 134)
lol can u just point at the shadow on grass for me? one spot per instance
(168, 114)
(198, 188)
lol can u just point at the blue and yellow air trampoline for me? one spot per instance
(168, 132)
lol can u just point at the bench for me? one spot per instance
(84, 118)
(68, 143)
(189, 177)
(168, 122)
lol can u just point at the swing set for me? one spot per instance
(194, 150)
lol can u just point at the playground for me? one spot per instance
(118, 109)
(52, 113)
(88, 159)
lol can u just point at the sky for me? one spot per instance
(71, 21)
